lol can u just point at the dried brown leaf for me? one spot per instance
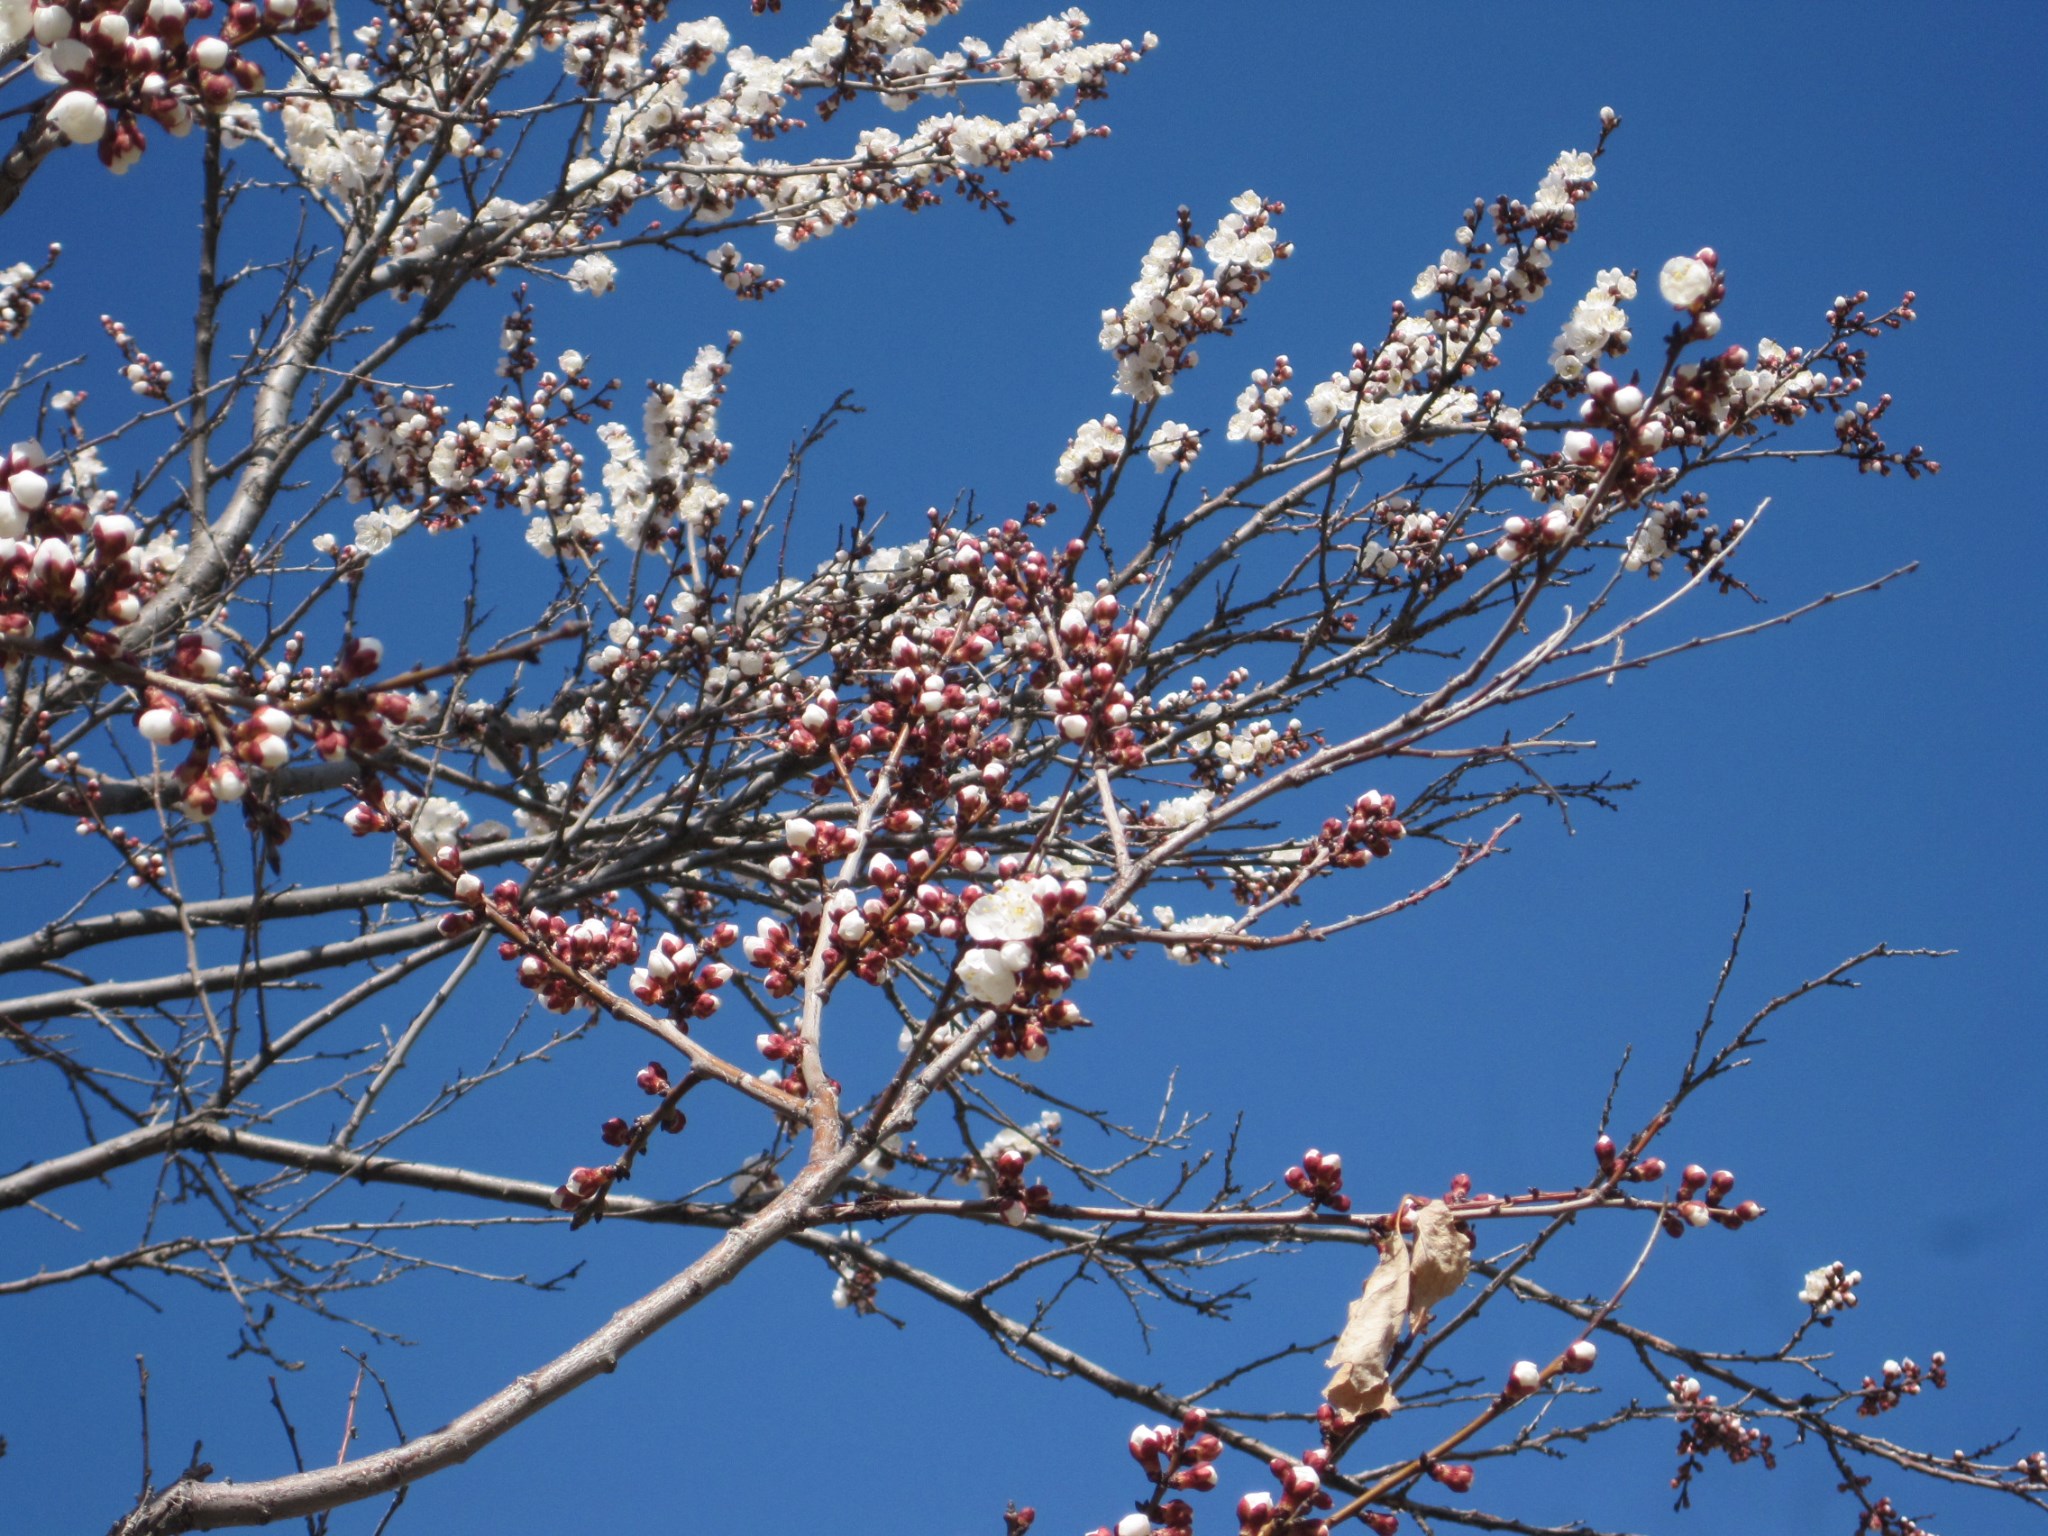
(1441, 1260)
(1374, 1323)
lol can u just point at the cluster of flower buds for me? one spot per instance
(1694, 1211)
(809, 845)
(322, 705)
(856, 1289)
(1301, 1497)
(1319, 1177)
(1830, 1288)
(771, 948)
(1369, 832)
(1884, 1518)
(146, 376)
(1521, 537)
(785, 1048)
(1181, 1457)
(1706, 1428)
(1647, 1171)
(76, 559)
(603, 939)
(123, 64)
(1088, 700)
(1016, 1199)
(685, 978)
(1454, 1475)
(1414, 542)
(1666, 530)
(814, 723)
(651, 1080)
(145, 864)
(1899, 1380)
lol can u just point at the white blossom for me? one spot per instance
(986, 978)
(436, 821)
(596, 274)
(79, 116)
(1685, 281)
(375, 530)
(1009, 912)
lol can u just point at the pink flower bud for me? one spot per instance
(113, 534)
(267, 752)
(54, 563)
(1525, 1378)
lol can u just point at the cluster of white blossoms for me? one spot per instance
(436, 821)
(1389, 420)
(1195, 927)
(376, 529)
(1182, 811)
(1235, 745)
(670, 482)
(1394, 392)
(1173, 445)
(1094, 448)
(1259, 406)
(347, 159)
(1598, 325)
(18, 299)
(1774, 381)
(1173, 304)
(596, 274)
(691, 157)
(1653, 541)
(1004, 921)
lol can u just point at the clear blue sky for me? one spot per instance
(1871, 774)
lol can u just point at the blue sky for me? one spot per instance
(1869, 775)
